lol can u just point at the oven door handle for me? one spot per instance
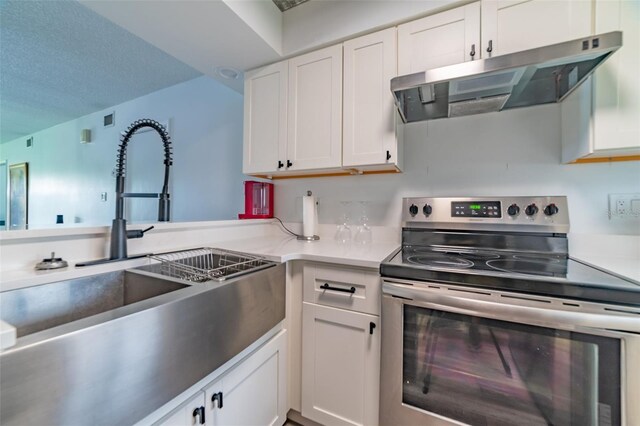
(509, 310)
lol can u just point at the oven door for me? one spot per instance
(457, 355)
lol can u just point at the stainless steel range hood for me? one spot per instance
(531, 77)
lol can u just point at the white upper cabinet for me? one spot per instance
(369, 125)
(513, 25)
(315, 110)
(602, 118)
(439, 40)
(616, 96)
(265, 119)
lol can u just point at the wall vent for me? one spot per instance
(30, 142)
(109, 120)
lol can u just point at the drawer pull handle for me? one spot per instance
(326, 286)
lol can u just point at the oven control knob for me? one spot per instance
(427, 210)
(531, 209)
(551, 209)
(513, 210)
(413, 210)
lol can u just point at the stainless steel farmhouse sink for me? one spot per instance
(112, 348)
(42, 307)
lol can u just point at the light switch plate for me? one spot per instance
(624, 205)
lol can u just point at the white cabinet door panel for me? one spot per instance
(340, 366)
(370, 62)
(254, 392)
(265, 118)
(184, 415)
(514, 25)
(439, 40)
(315, 110)
(616, 94)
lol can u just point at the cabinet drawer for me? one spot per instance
(342, 287)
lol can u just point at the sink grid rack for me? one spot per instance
(208, 264)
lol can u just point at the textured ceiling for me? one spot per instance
(59, 61)
(287, 4)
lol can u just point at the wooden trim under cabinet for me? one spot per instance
(606, 159)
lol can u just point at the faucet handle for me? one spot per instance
(138, 233)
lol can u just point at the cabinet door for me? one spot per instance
(265, 118)
(254, 392)
(513, 25)
(340, 366)
(439, 40)
(189, 414)
(616, 95)
(315, 110)
(600, 119)
(369, 128)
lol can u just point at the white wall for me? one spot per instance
(67, 177)
(508, 153)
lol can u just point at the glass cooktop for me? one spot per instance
(547, 274)
(479, 260)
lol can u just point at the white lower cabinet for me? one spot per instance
(252, 393)
(340, 366)
(190, 413)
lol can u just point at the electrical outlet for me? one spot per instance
(624, 205)
(103, 196)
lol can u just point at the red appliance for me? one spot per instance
(258, 200)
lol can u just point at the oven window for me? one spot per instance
(487, 372)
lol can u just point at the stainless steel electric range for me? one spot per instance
(487, 320)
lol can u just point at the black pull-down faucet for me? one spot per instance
(119, 233)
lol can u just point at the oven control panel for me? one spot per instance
(476, 209)
(526, 214)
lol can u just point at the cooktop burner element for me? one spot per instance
(551, 267)
(439, 260)
(510, 243)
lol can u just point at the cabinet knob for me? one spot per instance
(372, 325)
(280, 164)
(388, 156)
(198, 414)
(490, 47)
(473, 51)
(289, 164)
(217, 397)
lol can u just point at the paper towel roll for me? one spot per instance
(309, 215)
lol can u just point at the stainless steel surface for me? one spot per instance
(116, 367)
(38, 308)
(537, 76)
(206, 264)
(312, 238)
(594, 319)
(52, 262)
(545, 311)
(441, 217)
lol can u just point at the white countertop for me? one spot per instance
(279, 248)
(616, 254)
(285, 248)
(621, 266)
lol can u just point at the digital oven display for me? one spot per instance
(488, 209)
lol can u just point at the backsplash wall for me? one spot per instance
(508, 153)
